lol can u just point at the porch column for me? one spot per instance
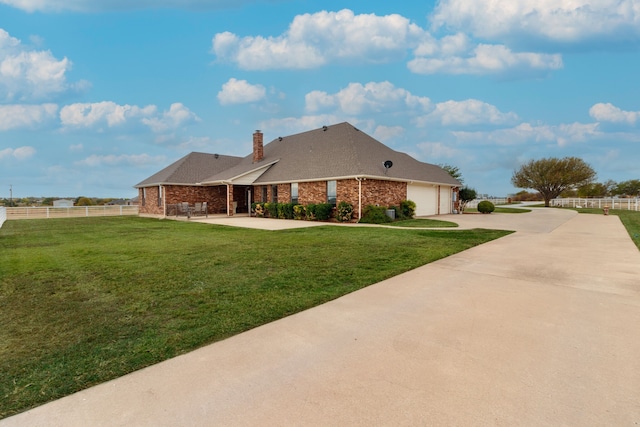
(229, 199)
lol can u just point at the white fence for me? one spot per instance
(76, 211)
(631, 204)
(3, 215)
(494, 200)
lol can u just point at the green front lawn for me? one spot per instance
(422, 223)
(86, 300)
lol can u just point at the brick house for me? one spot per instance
(330, 164)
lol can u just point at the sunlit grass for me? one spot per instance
(86, 300)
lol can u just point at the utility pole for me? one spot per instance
(10, 195)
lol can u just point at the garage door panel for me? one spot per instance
(425, 197)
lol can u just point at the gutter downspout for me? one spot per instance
(164, 200)
(359, 197)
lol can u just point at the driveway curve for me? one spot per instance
(537, 328)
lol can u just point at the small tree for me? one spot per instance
(454, 171)
(552, 176)
(466, 195)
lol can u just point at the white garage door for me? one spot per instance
(445, 200)
(425, 197)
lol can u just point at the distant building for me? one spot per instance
(63, 203)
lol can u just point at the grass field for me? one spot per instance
(85, 300)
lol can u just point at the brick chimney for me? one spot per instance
(258, 148)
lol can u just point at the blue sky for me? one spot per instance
(97, 95)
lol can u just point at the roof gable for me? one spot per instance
(191, 169)
(341, 151)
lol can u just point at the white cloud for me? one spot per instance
(99, 114)
(30, 74)
(565, 21)
(313, 40)
(108, 115)
(76, 147)
(20, 153)
(525, 133)
(26, 116)
(610, 113)
(122, 159)
(177, 116)
(468, 112)
(388, 133)
(484, 59)
(373, 97)
(291, 125)
(438, 150)
(240, 92)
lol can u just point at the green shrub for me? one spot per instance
(344, 211)
(486, 207)
(287, 210)
(375, 215)
(299, 212)
(271, 209)
(311, 211)
(323, 211)
(408, 208)
(258, 209)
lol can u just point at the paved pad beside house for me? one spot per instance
(537, 328)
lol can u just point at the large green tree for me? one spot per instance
(552, 176)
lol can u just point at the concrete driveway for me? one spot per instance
(537, 328)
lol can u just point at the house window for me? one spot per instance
(332, 192)
(144, 196)
(294, 192)
(159, 195)
(274, 193)
(264, 193)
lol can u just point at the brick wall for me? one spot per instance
(148, 199)
(383, 193)
(312, 192)
(214, 196)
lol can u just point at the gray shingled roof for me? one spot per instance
(191, 169)
(337, 151)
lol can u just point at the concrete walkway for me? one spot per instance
(538, 328)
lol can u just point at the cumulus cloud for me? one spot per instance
(177, 116)
(240, 92)
(313, 40)
(525, 133)
(31, 74)
(388, 133)
(291, 125)
(99, 114)
(438, 150)
(468, 112)
(123, 159)
(373, 97)
(108, 115)
(564, 21)
(610, 113)
(20, 153)
(482, 59)
(26, 116)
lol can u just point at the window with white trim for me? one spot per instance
(332, 192)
